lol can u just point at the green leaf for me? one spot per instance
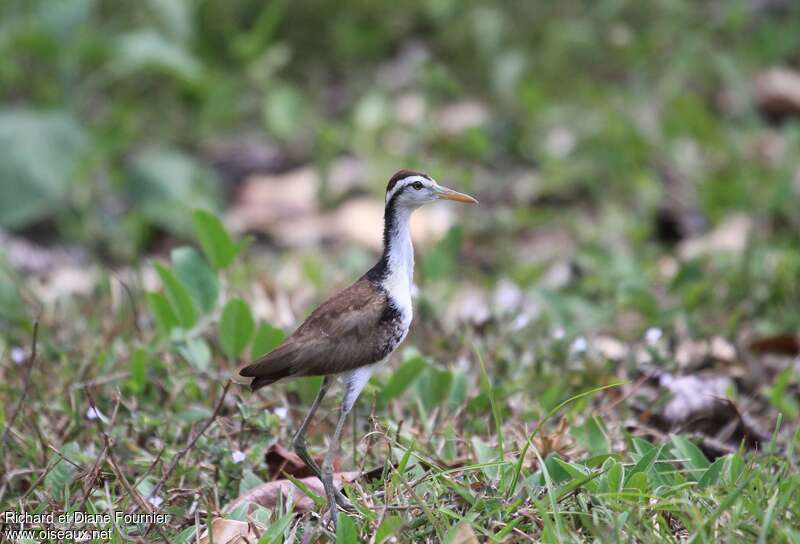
(63, 472)
(162, 312)
(197, 352)
(346, 532)
(249, 481)
(403, 377)
(235, 327)
(577, 472)
(388, 528)
(712, 473)
(40, 154)
(166, 185)
(266, 339)
(616, 477)
(147, 49)
(195, 273)
(592, 436)
(695, 461)
(433, 386)
(637, 482)
(214, 239)
(138, 377)
(645, 462)
(275, 533)
(178, 296)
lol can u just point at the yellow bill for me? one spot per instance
(450, 194)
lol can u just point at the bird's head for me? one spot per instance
(411, 190)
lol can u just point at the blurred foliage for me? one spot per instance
(145, 88)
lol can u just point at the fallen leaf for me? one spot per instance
(267, 494)
(230, 531)
(731, 235)
(781, 344)
(463, 534)
(280, 460)
(777, 92)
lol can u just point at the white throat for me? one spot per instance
(400, 261)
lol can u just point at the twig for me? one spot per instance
(109, 452)
(26, 383)
(186, 449)
(132, 301)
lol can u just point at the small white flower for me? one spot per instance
(558, 333)
(580, 345)
(93, 413)
(155, 500)
(238, 456)
(18, 355)
(653, 335)
(281, 412)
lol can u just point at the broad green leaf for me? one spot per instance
(346, 532)
(40, 155)
(616, 477)
(388, 528)
(195, 273)
(433, 386)
(592, 436)
(577, 472)
(403, 377)
(712, 473)
(235, 327)
(217, 244)
(162, 312)
(695, 461)
(178, 296)
(266, 339)
(734, 466)
(147, 49)
(637, 482)
(63, 473)
(166, 185)
(197, 352)
(645, 462)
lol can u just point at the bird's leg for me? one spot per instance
(299, 442)
(327, 467)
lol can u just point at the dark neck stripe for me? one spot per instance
(381, 269)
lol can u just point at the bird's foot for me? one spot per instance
(343, 502)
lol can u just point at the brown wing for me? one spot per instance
(334, 338)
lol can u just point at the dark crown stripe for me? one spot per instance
(402, 174)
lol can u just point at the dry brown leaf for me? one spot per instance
(230, 531)
(282, 461)
(777, 92)
(781, 344)
(267, 494)
(464, 535)
(558, 441)
(731, 235)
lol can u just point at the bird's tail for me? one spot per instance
(272, 367)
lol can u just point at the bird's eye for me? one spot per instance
(417, 185)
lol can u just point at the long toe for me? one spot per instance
(344, 503)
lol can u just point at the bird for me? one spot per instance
(353, 332)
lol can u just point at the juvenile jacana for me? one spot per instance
(354, 331)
